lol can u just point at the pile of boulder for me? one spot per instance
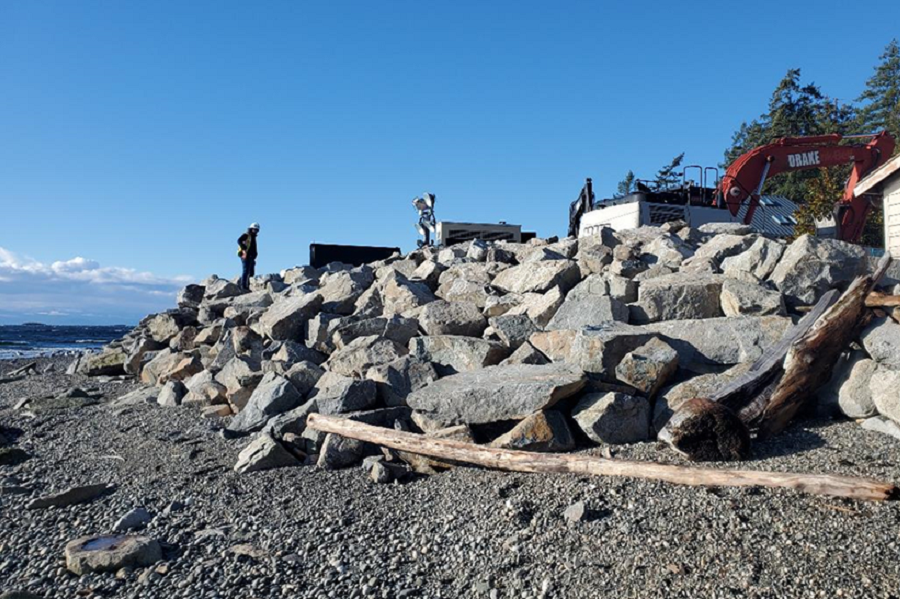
(547, 345)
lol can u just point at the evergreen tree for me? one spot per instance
(795, 110)
(669, 175)
(881, 98)
(626, 185)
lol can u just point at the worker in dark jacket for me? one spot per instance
(247, 252)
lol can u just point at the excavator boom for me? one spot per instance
(746, 176)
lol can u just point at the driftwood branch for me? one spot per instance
(812, 357)
(882, 300)
(777, 385)
(525, 461)
(741, 391)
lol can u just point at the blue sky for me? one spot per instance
(144, 137)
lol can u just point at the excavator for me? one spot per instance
(744, 180)
(746, 176)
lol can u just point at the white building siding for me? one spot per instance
(892, 217)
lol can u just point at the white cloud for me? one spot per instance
(80, 291)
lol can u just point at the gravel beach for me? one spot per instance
(303, 532)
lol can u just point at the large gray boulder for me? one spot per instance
(335, 394)
(370, 304)
(293, 421)
(882, 341)
(274, 395)
(460, 354)
(239, 377)
(811, 266)
(429, 273)
(497, 393)
(741, 298)
(191, 296)
(363, 353)
(320, 331)
(498, 305)
(287, 318)
(539, 277)
(340, 290)
(526, 354)
(678, 296)
(666, 250)
(587, 312)
(722, 246)
(720, 341)
(756, 263)
(264, 453)
(299, 274)
(546, 430)
(596, 349)
(466, 271)
(396, 380)
(110, 361)
(171, 394)
(592, 286)
(290, 352)
(461, 290)
(884, 384)
(452, 318)
(725, 229)
(304, 376)
(621, 288)
(219, 289)
(513, 329)
(540, 307)
(395, 328)
(847, 391)
(594, 259)
(137, 351)
(855, 395)
(400, 295)
(156, 370)
(648, 367)
(613, 418)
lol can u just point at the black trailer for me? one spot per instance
(321, 254)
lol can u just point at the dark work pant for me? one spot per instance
(247, 272)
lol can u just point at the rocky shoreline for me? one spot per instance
(305, 532)
(189, 435)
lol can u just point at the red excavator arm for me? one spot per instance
(746, 175)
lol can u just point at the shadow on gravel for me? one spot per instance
(592, 515)
(9, 435)
(797, 439)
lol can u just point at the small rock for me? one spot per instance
(110, 553)
(575, 512)
(71, 496)
(136, 518)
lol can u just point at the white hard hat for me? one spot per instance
(254, 226)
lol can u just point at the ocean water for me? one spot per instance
(32, 340)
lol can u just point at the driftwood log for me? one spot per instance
(526, 461)
(777, 385)
(809, 363)
(882, 300)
